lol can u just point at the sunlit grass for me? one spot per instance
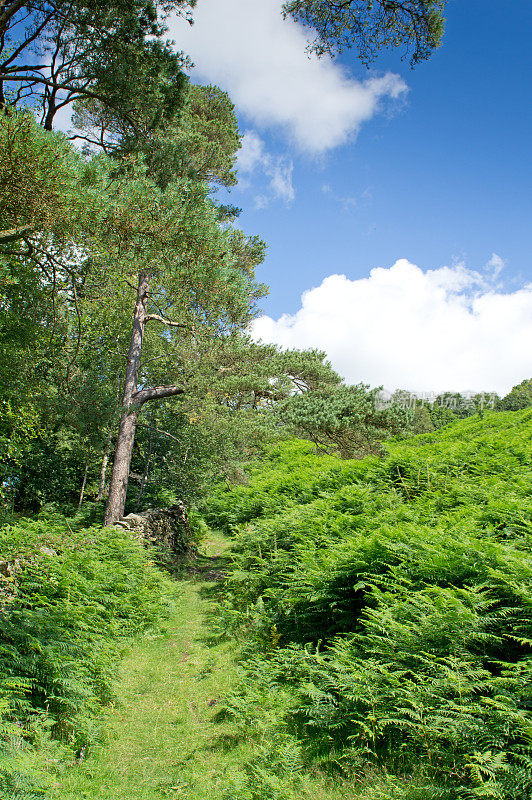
(161, 738)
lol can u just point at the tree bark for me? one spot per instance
(146, 469)
(132, 402)
(116, 499)
(16, 233)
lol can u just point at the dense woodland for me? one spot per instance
(378, 592)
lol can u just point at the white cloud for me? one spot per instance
(281, 179)
(63, 119)
(496, 265)
(253, 157)
(251, 152)
(246, 47)
(261, 201)
(433, 330)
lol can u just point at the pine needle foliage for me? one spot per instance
(385, 609)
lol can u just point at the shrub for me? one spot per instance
(292, 474)
(69, 599)
(387, 617)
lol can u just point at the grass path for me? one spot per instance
(161, 741)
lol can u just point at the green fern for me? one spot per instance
(400, 591)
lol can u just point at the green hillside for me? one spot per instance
(358, 630)
(385, 610)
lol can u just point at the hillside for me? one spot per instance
(365, 635)
(385, 609)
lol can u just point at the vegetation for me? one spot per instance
(131, 226)
(344, 419)
(71, 595)
(361, 625)
(161, 739)
(385, 611)
(519, 397)
(369, 27)
(53, 53)
(380, 609)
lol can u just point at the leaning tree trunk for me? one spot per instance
(116, 499)
(132, 402)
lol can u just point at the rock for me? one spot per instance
(167, 527)
(132, 522)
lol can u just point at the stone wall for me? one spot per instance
(168, 528)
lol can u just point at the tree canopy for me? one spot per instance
(368, 26)
(519, 397)
(53, 52)
(129, 226)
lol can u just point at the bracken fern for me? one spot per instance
(385, 610)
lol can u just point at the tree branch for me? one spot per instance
(168, 322)
(67, 86)
(16, 233)
(159, 430)
(156, 393)
(7, 13)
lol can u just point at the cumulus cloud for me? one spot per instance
(246, 47)
(253, 158)
(408, 328)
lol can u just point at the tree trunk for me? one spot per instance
(116, 500)
(84, 483)
(102, 491)
(49, 118)
(146, 469)
(132, 402)
(103, 473)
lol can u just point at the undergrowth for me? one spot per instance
(384, 609)
(70, 598)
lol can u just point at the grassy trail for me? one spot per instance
(161, 741)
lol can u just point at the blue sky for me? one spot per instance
(430, 166)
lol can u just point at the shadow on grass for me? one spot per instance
(209, 573)
(210, 569)
(225, 742)
(195, 567)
